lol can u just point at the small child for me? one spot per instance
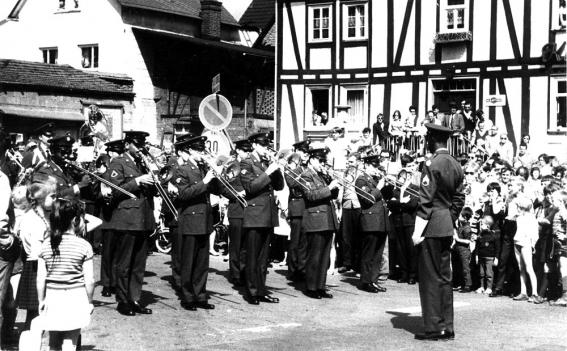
(462, 246)
(524, 245)
(487, 247)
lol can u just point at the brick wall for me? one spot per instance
(211, 15)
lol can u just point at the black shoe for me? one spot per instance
(237, 282)
(269, 299)
(442, 335)
(253, 300)
(325, 294)
(189, 306)
(106, 292)
(369, 288)
(379, 287)
(496, 293)
(312, 294)
(125, 309)
(402, 280)
(205, 305)
(411, 281)
(136, 307)
(465, 289)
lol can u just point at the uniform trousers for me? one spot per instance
(175, 239)
(435, 291)
(371, 256)
(194, 267)
(407, 253)
(349, 240)
(257, 250)
(507, 266)
(8, 310)
(236, 250)
(297, 250)
(108, 258)
(131, 254)
(318, 259)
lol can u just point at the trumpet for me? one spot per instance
(150, 166)
(210, 160)
(274, 157)
(100, 179)
(347, 183)
(22, 171)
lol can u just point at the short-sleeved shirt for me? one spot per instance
(65, 269)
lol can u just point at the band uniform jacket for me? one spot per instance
(319, 214)
(173, 166)
(137, 214)
(64, 182)
(234, 208)
(441, 195)
(195, 211)
(373, 214)
(295, 204)
(262, 210)
(403, 213)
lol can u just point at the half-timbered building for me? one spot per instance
(353, 59)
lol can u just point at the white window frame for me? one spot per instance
(444, 8)
(554, 94)
(311, 26)
(555, 16)
(49, 51)
(346, 8)
(353, 123)
(431, 90)
(308, 106)
(92, 63)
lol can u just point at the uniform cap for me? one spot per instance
(435, 129)
(196, 143)
(243, 145)
(302, 146)
(320, 153)
(137, 138)
(46, 129)
(115, 146)
(61, 142)
(372, 159)
(260, 138)
(184, 137)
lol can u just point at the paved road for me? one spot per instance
(353, 320)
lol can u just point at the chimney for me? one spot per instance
(211, 17)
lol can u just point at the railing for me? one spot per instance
(415, 144)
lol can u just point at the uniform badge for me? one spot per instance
(425, 181)
(243, 171)
(428, 163)
(178, 180)
(114, 174)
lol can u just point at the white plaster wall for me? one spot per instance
(540, 26)
(287, 137)
(427, 32)
(481, 31)
(288, 55)
(399, 12)
(299, 12)
(376, 101)
(379, 33)
(408, 53)
(320, 58)
(504, 43)
(355, 57)
(401, 98)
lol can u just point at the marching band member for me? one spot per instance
(297, 254)
(40, 153)
(319, 223)
(133, 220)
(374, 223)
(195, 186)
(235, 214)
(260, 216)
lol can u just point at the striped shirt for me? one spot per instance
(65, 270)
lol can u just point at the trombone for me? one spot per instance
(100, 179)
(346, 183)
(157, 184)
(209, 159)
(287, 169)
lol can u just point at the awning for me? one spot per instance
(41, 112)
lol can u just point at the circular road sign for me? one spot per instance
(215, 112)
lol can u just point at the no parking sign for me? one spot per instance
(215, 112)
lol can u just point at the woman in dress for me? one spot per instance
(65, 278)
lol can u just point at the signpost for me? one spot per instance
(215, 84)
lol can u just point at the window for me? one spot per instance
(558, 111)
(355, 25)
(317, 107)
(320, 23)
(89, 55)
(559, 16)
(454, 16)
(446, 91)
(49, 55)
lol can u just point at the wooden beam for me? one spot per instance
(512, 29)
(293, 36)
(493, 29)
(390, 34)
(507, 114)
(404, 33)
(527, 28)
(293, 112)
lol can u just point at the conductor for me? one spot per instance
(441, 199)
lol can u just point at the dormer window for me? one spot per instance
(49, 55)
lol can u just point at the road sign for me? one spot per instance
(215, 112)
(495, 100)
(215, 84)
(217, 143)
